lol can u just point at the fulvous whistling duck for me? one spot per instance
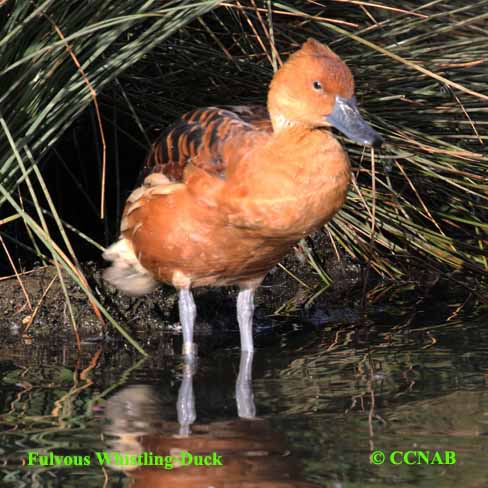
(229, 191)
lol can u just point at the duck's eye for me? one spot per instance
(317, 85)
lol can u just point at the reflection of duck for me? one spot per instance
(252, 455)
(228, 192)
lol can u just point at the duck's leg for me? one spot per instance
(245, 312)
(188, 313)
(185, 406)
(246, 407)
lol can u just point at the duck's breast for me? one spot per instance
(288, 187)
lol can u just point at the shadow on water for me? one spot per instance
(308, 410)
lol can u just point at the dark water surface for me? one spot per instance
(327, 393)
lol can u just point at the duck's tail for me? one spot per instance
(126, 272)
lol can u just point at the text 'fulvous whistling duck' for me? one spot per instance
(229, 191)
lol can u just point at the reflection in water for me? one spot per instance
(408, 378)
(251, 453)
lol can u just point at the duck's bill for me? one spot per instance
(346, 118)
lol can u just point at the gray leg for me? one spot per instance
(244, 395)
(188, 313)
(245, 311)
(185, 406)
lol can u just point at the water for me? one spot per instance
(328, 392)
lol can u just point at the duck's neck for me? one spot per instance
(279, 122)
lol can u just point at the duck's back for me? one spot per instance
(207, 138)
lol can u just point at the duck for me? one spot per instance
(226, 192)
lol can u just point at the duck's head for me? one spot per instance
(315, 88)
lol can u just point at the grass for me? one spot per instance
(132, 67)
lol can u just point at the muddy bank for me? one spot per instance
(295, 293)
(41, 294)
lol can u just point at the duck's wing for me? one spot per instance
(208, 138)
(256, 115)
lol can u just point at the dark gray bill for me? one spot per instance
(346, 118)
